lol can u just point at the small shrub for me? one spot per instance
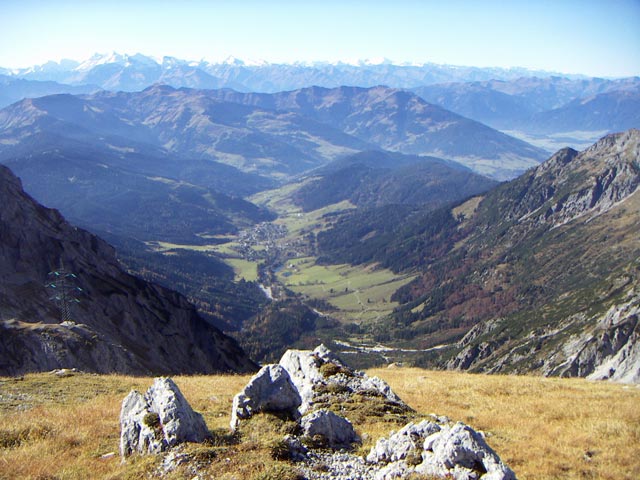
(15, 438)
(221, 437)
(330, 369)
(332, 388)
(152, 420)
(413, 458)
(279, 450)
(203, 454)
(316, 441)
(321, 467)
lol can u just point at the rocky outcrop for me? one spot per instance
(269, 390)
(304, 368)
(612, 350)
(436, 448)
(159, 420)
(475, 346)
(319, 374)
(571, 185)
(608, 347)
(428, 448)
(310, 386)
(122, 324)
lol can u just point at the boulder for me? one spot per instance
(333, 430)
(269, 390)
(453, 450)
(304, 369)
(178, 420)
(463, 450)
(296, 450)
(137, 432)
(159, 420)
(378, 385)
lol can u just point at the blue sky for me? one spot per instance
(592, 37)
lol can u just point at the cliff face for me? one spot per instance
(610, 351)
(122, 324)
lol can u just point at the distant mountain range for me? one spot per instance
(399, 121)
(517, 101)
(551, 105)
(121, 323)
(276, 135)
(541, 273)
(14, 89)
(135, 72)
(94, 181)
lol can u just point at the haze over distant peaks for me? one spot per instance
(380, 71)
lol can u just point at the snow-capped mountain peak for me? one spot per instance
(100, 59)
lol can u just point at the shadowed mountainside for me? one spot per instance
(122, 324)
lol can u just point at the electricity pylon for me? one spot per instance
(63, 284)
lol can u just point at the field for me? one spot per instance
(359, 293)
(67, 428)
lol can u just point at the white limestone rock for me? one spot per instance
(269, 390)
(407, 441)
(178, 420)
(335, 430)
(159, 420)
(452, 451)
(304, 369)
(379, 385)
(135, 435)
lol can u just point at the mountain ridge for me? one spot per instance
(114, 70)
(280, 134)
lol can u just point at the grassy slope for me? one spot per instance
(544, 428)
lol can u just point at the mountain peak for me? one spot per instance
(99, 59)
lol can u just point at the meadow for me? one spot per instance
(544, 428)
(359, 293)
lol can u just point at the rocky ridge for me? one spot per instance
(508, 280)
(271, 134)
(610, 351)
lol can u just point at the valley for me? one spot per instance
(320, 240)
(393, 228)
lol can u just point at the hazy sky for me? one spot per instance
(594, 37)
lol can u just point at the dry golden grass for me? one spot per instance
(544, 428)
(60, 428)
